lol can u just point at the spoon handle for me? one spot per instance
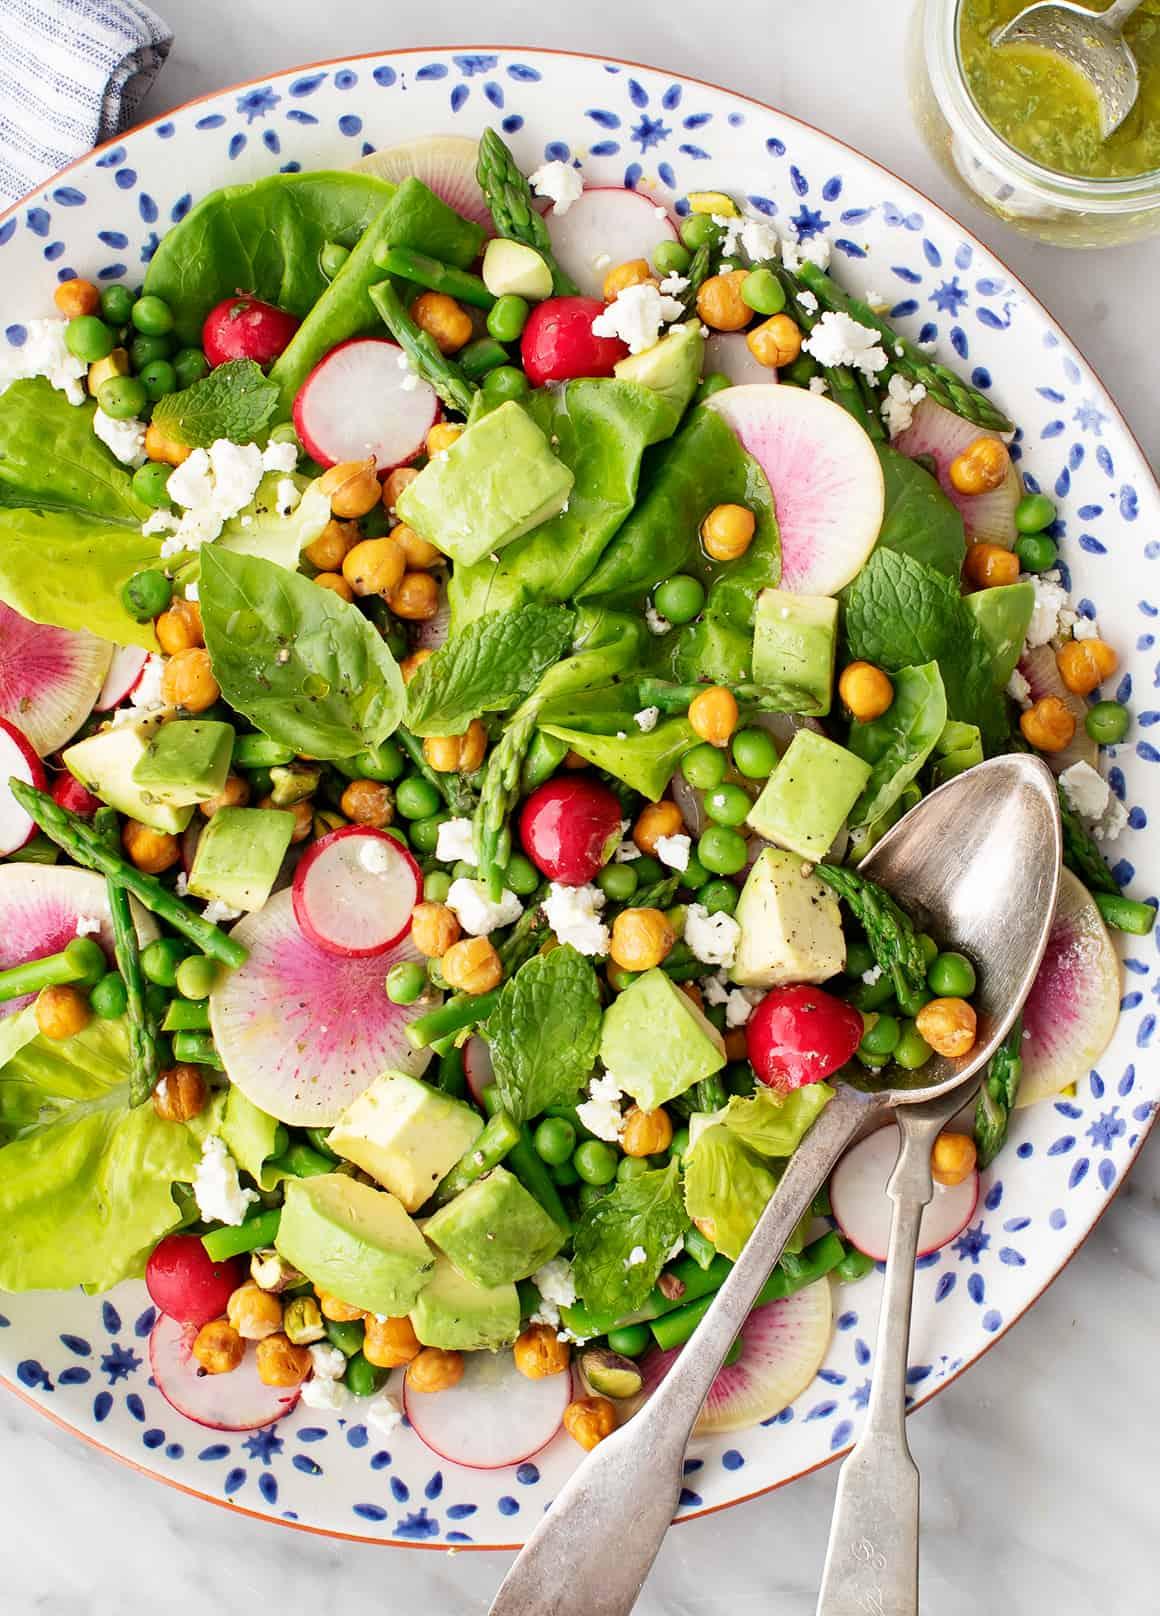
(872, 1556)
(1118, 13)
(594, 1547)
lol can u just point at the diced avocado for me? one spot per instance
(494, 1231)
(807, 797)
(511, 268)
(354, 1242)
(497, 481)
(239, 855)
(794, 641)
(186, 761)
(791, 928)
(106, 764)
(656, 1043)
(405, 1134)
(1002, 616)
(455, 1313)
(671, 367)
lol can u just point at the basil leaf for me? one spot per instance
(644, 1214)
(235, 401)
(489, 666)
(919, 520)
(52, 460)
(545, 1032)
(304, 666)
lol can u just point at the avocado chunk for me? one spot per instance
(671, 367)
(186, 761)
(405, 1134)
(459, 1315)
(354, 1242)
(807, 797)
(239, 855)
(791, 927)
(511, 269)
(106, 763)
(1002, 616)
(497, 481)
(495, 1231)
(656, 1043)
(794, 641)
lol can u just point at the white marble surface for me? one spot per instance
(1040, 1465)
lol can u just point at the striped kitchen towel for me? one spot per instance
(72, 73)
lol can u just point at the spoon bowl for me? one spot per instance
(1092, 41)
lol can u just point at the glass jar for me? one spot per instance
(1065, 209)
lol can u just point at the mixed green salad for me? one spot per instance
(459, 634)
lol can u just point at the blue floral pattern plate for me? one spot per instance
(83, 1360)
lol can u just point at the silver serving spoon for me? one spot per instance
(977, 864)
(1092, 41)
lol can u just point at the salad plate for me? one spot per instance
(84, 1360)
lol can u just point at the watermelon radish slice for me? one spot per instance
(606, 226)
(494, 1417)
(123, 677)
(445, 164)
(357, 402)
(1041, 671)
(862, 1207)
(354, 891)
(987, 518)
(429, 636)
(477, 1067)
(19, 760)
(825, 476)
(40, 905)
(49, 678)
(1074, 1003)
(238, 1401)
(727, 354)
(302, 1031)
(784, 1344)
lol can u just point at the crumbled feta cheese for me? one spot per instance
(329, 1362)
(219, 1195)
(384, 1415)
(145, 696)
(600, 1113)
(410, 379)
(374, 855)
(814, 251)
(330, 1395)
(555, 1282)
(574, 915)
(872, 975)
(279, 457)
(547, 1313)
(192, 592)
(656, 623)
(715, 987)
(216, 912)
(1019, 689)
(1112, 821)
(559, 182)
(818, 384)
(750, 233)
(1050, 602)
(674, 285)
(160, 522)
(675, 1250)
(44, 352)
(602, 261)
(478, 915)
(1086, 790)
(626, 852)
(211, 486)
(287, 494)
(636, 316)
(837, 339)
(712, 938)
(124, 439)
(740, 1006)
(674, 851)
(646, 719)
(899, 404)
(455, 841)
(87, 925)
(181, 885)
(808, 301)
(636, 1257)
(1085, 628)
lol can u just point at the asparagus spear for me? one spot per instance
(1080, 853)
(445, 376)
(696, 275)
(500, 1135)
(509, 196)
(80, 960)
(144, 1059)
(889, 931)
(434, 275)
(1125, 914)
(998, 1094)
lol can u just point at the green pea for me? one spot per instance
(631, 1340)
(564, 1174)
(158, 378)
(679, 1143)
(873, 1063)
(680, 599)
(346, 1335)
(504, 382)
(417, 798)
(930, 949)
(859, 958)
(1107, 722)
(952, 976)
(160, 959)
(677, 916)
(699, 230)
(425, 832)
(192, 366)
(912, 1050)
(881, 1038)
(196, 976)
(109, 999)
(727, 805)
(521, 876)
(617, 881)
(596, 1162)
(555, 1140)
(406, 981)
(713, 383)
(630, 1167)
(649, 870)
(588, 1195)
(507, 317)
(671, 258)
(1036, 552)
(363, 1378)
(718, 897)
(116, 305)
(332, 257)
(143, 350)
(722, 850)
(152, 316)
(1033, 513)
(398, 833)
(436, 886)
(754, 753)
(146, 594)
(694, 874)
(704, 767)
(122, 397)
(89, 338)
(435, 974)
(763, 292)
(619, 978)
(383, 762)
(463, 870)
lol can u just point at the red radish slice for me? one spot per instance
(1041, 671)
(302, 1031)
(987, 518)
(477, 1067)
(784, 1344)
(1074, 1004)
(124, 676)
(354, 890)
(49, 678)
(825, 476)
(17, 758)
(862, 1207)
(360, 401)
(239, 1401)
(727, 354)
(40, 905)
(494, 1417)
(445, 164)
(605, 227)
(69, 793)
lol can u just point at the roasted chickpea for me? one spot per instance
(328, 551)
(441, 436)
(538, 1352)
(866, 691)
(158, 446)
(415, 597)
(713, 715)
(720, 304)
(336, 1310)
(218, 1347)
(336, 583)
(736, 1047)
(449, 753)
(952, 1158)
(989, 565)
(180, 1094)
(472, 966)
(369, 802)
(417, 552)
(434, 1370)
(981, 467)
(179, 627)
(150, 850)
(656, 819)
(410, 665)
(374, 566)
(727, 531)
(1047, 725)
(234, 794)
(635, 272)
(390, 1343)
(589, 1420)
(442, 318)
(472, 747)
(1084, 664)
(693, 993)
(303, 813)
(573, 760)
(188, 682)
(253, 1312)
(434, 928)
(948, 1025)
(641, 938)
(646, 1133)
(351, 486)
(76, 297)
(280, 1362)
(62, 1011)
(396, 481)
(776, 341)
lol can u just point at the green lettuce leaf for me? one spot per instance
(919, 520)
(959, 747)
(897, 744)
(234, 401)
(643, 761)
(643, 1214)
(726, 1188)
(771, 1124)
(251, 1136)
(51, 459)
(489, 666)
(544, 1032)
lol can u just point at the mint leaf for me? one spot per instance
(643, 1214)
(235, 401)
(489, 666)
(545, 1032)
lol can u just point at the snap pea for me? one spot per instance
(346, 1335)
(701, 1250)
(197, 1048)
(791, 1274)
(318, 1137)
(480, 357)
(186, 1015)
(1125, 914)
(303, 1161)
(694, 1280)
(528, 1167)
(259, 1229)
(260, 752)
(854, 1265)
(434, 275)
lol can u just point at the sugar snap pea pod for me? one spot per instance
(302, 1161)
(445, 376)
(186, 1015)
(509, 196)
(423, 270)
(528, 1167)
(259, 1229)
(197, 1048)
(499, 1137)
(791, 1274)
(144, 1057)
(1125, 914)
(701, 1250)
(544, 757)
(854, 1265)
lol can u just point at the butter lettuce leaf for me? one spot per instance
(726, 1188)
(268, 534)
(643, 761)
(774, 1125)
(544, 1032)
(490, 665)
(251, 1136)
(622, 1241)
(52, 460)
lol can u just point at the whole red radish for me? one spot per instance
(244, 327)
(569, 828)
(801, 1035)
(70, 794)
(558, 342)
(186, 1283)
